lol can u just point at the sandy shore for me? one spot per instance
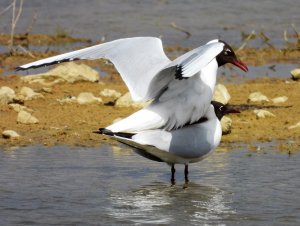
(73, 123)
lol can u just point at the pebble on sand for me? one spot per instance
(69, 72)
(221, 94)
(279, 100)
(27, 93)
(7, 134)
(126, 101)
(25, 117)
(261, 113)
(226, 124)
(295, 73)
(258, 97)
(110, 93)
(297, 125)
(7, 95)
(67, 99)
(47, 90)
(88, 98)
(18, 108)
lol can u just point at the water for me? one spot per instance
(205, 20)
(235, 75)
(86, 186)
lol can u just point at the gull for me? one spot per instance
(189, 144)
(180, 90)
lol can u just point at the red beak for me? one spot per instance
(232, 110)
(240, 64)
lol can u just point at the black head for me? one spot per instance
(228, 56)
(221, 109)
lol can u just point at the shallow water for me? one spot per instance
(235, 75)
(85, 186)
(205, 20)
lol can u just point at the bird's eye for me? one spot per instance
(227, 52)
(220, 108)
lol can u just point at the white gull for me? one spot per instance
(189, 144)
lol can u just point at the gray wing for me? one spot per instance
(137, 60)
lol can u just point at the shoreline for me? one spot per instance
(73, 123)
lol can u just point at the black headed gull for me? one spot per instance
(189, 144)
(181, 90)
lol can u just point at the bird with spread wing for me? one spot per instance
(181, 90)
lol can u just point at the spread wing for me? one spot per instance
(137, 60)
(141, 62)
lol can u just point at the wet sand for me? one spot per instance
(72, 123)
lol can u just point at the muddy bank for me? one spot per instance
(25, 43)
(73, 123)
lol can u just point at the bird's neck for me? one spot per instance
(209, 74)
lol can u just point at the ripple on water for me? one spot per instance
(67, 186)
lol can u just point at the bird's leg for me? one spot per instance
(186, 173)
(173, 174)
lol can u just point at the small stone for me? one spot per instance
(46, 90)
(279, 100)
(297, 125)
(110, 93)
(88, 98)
(67, 99)
(260, 113)
(295, 73)
(7, 95)
(7, 134)
(69, 72)
(28, 94)
(26, 118)
(226, 124)
(258, 97)
(126, 101)
(18, 108)
(221, 94)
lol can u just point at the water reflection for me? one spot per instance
(160, 203)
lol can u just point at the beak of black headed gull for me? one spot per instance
(240, 64)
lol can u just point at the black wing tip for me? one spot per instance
(20, 69)
(46, 64)
(104, 131)
(179, 73)
(108, 132)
